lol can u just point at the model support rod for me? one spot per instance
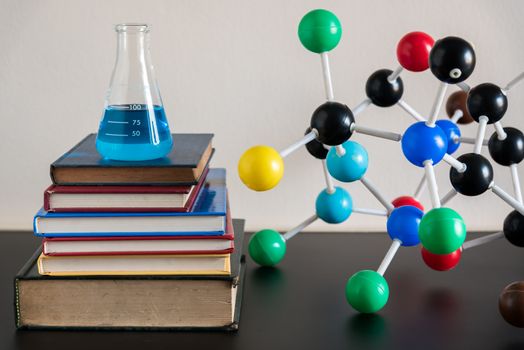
(464, 86)
(432, 183)
(361, 107)
(501, 134)
(375, 192)
(514, 82)
(389, 257)
(508, 199)
(516, 182)
(481, 131)
(292, 148)
(396, 73)
(420, 188)
(471, 140)
(461, 167)
(293, 232)
(412, 112)
(326, 73)
(376, 212)
(433, 115)
(329, 181)
(452, 193)
(482, 240)
(377, 133)
(457, 115)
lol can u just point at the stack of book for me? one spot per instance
(134, 244)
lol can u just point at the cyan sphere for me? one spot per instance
(334, 208)
(421, 142)
(349, 167)
(403, 224)
(452, 132)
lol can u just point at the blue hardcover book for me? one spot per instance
(207, 218)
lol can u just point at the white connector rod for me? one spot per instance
(471, 140)
(326, 74)
(361, 107)
(501, 134)
(482, 240)
(389, 257)
(395, 74)
(514, 81)
(306, 139)
(515, 204)
(516, 182)
(293, 232)
(420, 187)
(457, 115)
(376, 212)
(452, 193)
(481, 131)
(377, 133)
(376, 193)
(432, 183)
(458, 165)
(464, 86)
(433, 115)
(411, 111)
(329, 181)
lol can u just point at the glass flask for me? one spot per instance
(134, 126)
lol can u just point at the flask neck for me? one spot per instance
(133, 79)
(133, 44)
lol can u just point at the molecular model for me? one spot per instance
(425, 143)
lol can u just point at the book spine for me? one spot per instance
(20, 276)
(35, 226)
(47, 200)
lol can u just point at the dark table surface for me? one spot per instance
(301, 304)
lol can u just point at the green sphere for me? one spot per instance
(367, 291)
(267, 247)
(319, 31)
(442, 231)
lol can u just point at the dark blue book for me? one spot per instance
(83, 165)
(207, 218)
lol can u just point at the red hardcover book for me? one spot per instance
(118, 199)
(193, 245)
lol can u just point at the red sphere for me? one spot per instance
(441, 262)
(407, 200)
(413, 51)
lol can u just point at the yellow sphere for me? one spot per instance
(260, 168)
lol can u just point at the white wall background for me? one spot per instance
(237, 68)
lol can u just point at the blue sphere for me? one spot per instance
(421, 142)
(334, 208)
(403, 224)
(452, 132)
(349, 167)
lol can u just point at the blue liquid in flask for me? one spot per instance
(134, 132)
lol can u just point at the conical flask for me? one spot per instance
(134, 125)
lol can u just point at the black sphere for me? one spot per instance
(508, 151)
(315, 148)
(382, 92)
(514, 228)
(476, 179)
(333, 122)
(489, 100)
(452, 59)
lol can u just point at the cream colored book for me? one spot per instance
(95, 265)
